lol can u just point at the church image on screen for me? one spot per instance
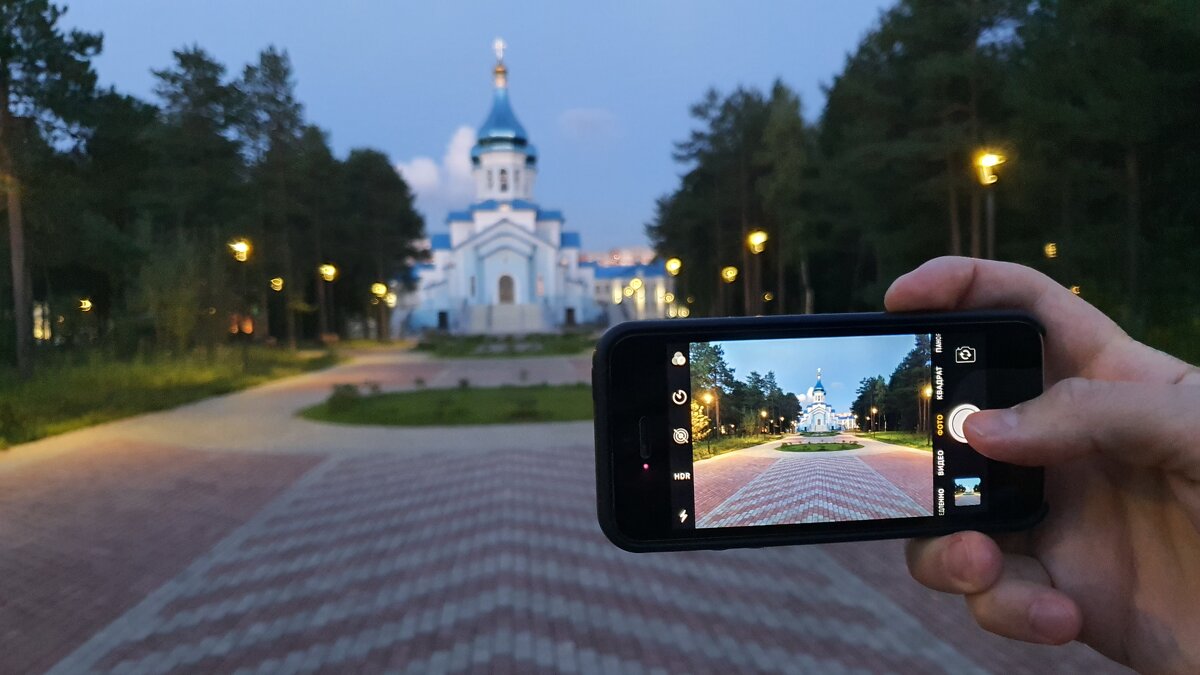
(810, 431)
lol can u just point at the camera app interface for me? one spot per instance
(815, 430)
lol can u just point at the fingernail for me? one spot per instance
(988, 423)
(1052, 620)
(961, 562)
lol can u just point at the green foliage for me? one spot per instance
(819, 447)
(94, 388)
(343, 398)
(898, 399)
(432, 407)
(137, 216)
(918, 440)
(738, 402)
(459, 346)
(1091, 102)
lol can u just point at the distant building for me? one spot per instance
(509, 266)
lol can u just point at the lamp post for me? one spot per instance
(379, 290)
(926, 396)
(240, 249)
(729, 274)
(763, 414)
(326, 273)
(756, 241)
(875, 421)
(986, 163)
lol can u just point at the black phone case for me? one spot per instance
(600, 388)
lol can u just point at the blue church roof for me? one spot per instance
(493, 204)
(651, 271)
(440, 242)
(818, 386)
(570, 240)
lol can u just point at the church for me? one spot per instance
(819, 416)
(508, 266)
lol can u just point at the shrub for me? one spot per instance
(343, 398)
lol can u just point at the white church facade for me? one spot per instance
(818, 416)
(506, 265)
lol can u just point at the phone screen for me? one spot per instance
(825, 429)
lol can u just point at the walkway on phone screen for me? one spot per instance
(229, 536)
(762, 485)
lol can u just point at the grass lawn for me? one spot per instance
(911, 439)
(818, 447)
(704, 450)
(453, 407)
(65, 396)
(482, 346)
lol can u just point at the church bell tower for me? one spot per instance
(504, 161)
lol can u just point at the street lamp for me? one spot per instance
(729, 274)
(1050, 250)
(240, 248)
(986, 163)
(277, 284)
(674, 265)
(328, 272)
(85, 304)
(875, 413)
(756, 240)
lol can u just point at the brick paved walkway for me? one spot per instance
(767, 487)
(146, 558)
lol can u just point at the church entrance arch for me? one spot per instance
(508, 293)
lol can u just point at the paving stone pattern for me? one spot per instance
(230, 537)
(814, 489)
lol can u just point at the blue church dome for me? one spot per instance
(501, 123)
(818, 386)
(501, 130)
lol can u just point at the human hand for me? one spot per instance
(1116, 562)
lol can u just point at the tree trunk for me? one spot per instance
(976, 230)
(806, 284)
(780, 279)
(952, 200)
(22, 291)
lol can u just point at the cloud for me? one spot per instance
(442, 186)
(588, 124)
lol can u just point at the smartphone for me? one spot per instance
(735, 432)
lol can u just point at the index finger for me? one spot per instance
(1076, 332)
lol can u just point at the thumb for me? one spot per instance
(1140, 424)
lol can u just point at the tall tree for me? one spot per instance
(46, 77)
(378, 229)
(271, 123)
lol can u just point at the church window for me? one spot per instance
(541, 286)
(472, 286)
(516, 180)
(504, 180)
(489, 179)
